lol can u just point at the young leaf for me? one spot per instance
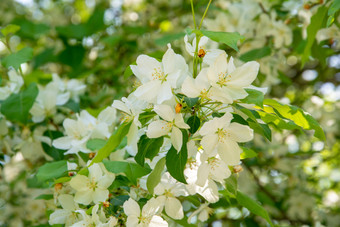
(254, 97)
(10, 29)
(248, 153)
(148, 148)
(16, 59)
(231, 185)
(194, 123)
(228, 38)
(175, 162)
(112, 143)
(256, 54)
(253, 206)
(132, 171)
(52, 170)
(16, 107)
(335, 7)
(155, 176)
(298, 116)
(95, 144)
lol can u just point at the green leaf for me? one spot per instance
(62, 180)
(176, 161)
(10, 29)
(194, 122)
(147, 148)
(146, 116)
(334, 8)
(262, 129)
(31, 30)
(228, 38)
(253, 206)
(256, 54)
(44, 197)
(190, 101)
(112, 143)
(231, 185)
(317, 22)
(298, 116)
(155, 176)
(95, 144)
(132, 171)
(16, 59)
(248, 153)
(254, 97)
(52, 170)
(16, 107)
(168, 38)
(128, 72)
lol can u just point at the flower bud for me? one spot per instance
(237, 169)
(58, 187)
(178, 108)
(91, 155)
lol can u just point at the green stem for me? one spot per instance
(193, 13)
(205, 12)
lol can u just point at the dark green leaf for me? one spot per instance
(112, 143)
(190, 101)
(132, 171)
(176, 161)
(155, 176)
(128, 72)
(253, 206)
(238, 119)
(148, 148)
(228, 38)
(334, 8)
(16, 107)
(254, 97)
(52, 170)
(262, 129)
(95, 144)
(16, 59)
(256, 54)
(194, 122)
(55, 153)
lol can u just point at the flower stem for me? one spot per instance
(205, 13)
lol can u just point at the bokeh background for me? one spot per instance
(295, 176)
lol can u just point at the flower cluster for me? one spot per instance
(162, 109)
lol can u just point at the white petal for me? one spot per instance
(229, 152)
(83, 197)
(243, 76)
(179, 122)
(62, 98)
(62, 143)
(157, 221)
(165, 112)
(219, 66)
(240, 133)
(67, 202)
(120, 106)
(106, 180)
(189, 88)
(157, 129)
(108, 115)
(95, 172)
(80, 182)
(176, 138)
(146, 66)
(165, 93)
(131, 208)
(100, 195)
(173, 208)
(148, 91)
(59, 216)
(202, 174)
(209, 142)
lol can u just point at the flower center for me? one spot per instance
(144, 220)
(158, 74)
(168, 193)
(213, 162)
(92, 184)
(222, 134)
(168, 125)
(223, 79)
